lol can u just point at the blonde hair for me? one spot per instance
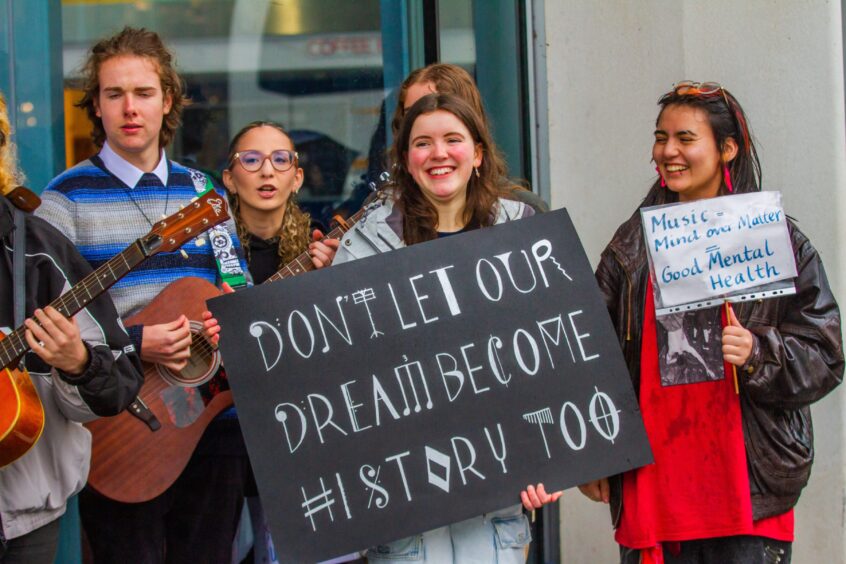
(8, 169)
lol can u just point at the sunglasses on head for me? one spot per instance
(701, 89)
(252, 161)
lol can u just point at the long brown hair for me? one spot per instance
(420, 216)
(139, 43)
(295, 230)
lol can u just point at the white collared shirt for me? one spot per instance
(127, 172)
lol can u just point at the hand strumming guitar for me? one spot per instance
(168, 344)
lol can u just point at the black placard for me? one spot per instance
(427, 385)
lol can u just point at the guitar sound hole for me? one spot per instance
(202, 365)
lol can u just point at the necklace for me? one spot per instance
(132, 199)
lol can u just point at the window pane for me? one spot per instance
(315, 66)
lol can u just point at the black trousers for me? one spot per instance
(741, 549)
(36, 547)
(194, 520)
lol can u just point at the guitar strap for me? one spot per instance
(19, 266)
(228, 265)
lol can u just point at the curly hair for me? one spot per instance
(420, 218)
(727, 120)
(295, 231)
(135, 42)
(9, 177)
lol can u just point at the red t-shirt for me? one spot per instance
(698, 486)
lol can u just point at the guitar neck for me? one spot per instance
(71, 302)
(303, 262)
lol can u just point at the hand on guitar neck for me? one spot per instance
(56, 340)
(167, 344)
(322, 249)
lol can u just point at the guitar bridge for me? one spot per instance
(140, 410)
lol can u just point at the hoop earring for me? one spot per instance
(477, 172)
(727, 178)
(661, 177)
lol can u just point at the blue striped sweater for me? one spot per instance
(102, 216)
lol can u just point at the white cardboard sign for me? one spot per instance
(728, 248)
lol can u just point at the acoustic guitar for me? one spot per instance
(21, 413)
(139, 453)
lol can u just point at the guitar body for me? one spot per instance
(21, 416)
(132, 463)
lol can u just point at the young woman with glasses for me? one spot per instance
(262, 178)
(729, 465)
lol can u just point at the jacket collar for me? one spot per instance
(627, 244)
(7, 220)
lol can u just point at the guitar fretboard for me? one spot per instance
(83, 293)
(303, 262)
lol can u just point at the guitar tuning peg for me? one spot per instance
(194, 199)
(371, 186)
(164, 216)
(183, 253)
(385, 176)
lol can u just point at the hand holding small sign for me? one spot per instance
(737, 341)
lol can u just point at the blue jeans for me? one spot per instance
(740, 549)
(499, 537)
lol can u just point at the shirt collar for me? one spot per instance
(127, 172)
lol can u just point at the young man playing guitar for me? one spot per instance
(135, 99)
(81, 368)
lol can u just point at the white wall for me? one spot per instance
(608, 63)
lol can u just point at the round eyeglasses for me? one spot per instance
(252, 161)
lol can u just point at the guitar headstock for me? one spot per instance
(177, 229)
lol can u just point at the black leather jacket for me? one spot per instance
(797, 358)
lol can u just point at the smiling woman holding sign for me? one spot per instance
(446, 182)
(730, 462)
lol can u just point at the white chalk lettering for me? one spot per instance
(562, 421)
(446, 287)
(580, 337)
(441, 461)
(494, 361)
(472, 369)
(352, 407)
(329, 413)
(472, 452)
(398, 459)
(257, 330)
(502, 452)
(379, 395)
(410, 378)
(345, 335)
(309, 331)
(480, 281)
(519, 355)
(454, 372)
(282, 417)
(559, 331)
(504, 259)
(403, 324)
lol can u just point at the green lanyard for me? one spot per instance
(228, 264)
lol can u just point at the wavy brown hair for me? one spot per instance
(137, 42)
(420, 218)
(295, 231)
(448, 79)
(8, 168)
